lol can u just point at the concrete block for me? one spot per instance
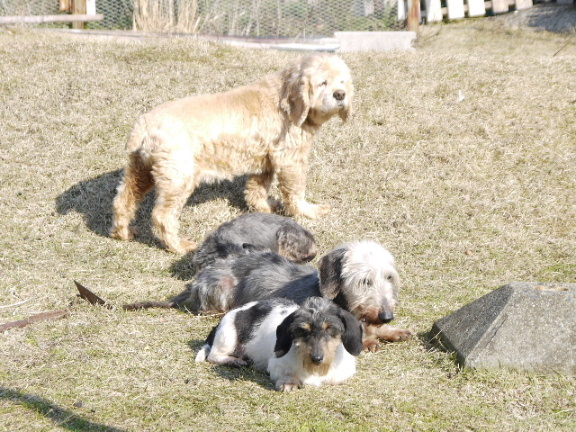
(528, 326)
(375, 41)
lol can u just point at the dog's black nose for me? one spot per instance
(317, 358)
(386, 317)
(339, 95)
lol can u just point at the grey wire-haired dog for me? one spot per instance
(360, 277)
(257, 232)
(315, 343)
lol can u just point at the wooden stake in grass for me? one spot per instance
(85, 293)
(93, 298)
(44, 316)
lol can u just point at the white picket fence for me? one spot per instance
(432, 10)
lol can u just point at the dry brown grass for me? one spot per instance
(468, 194)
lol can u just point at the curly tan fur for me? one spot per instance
(263, 130)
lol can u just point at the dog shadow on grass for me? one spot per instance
(235, 373)
(93, 200)
(61, 417)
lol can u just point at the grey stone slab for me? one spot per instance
(375, 41)
(530, 326)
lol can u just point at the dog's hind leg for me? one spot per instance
(170, 200)
(256, 193)
(174, 175)
(137, 182)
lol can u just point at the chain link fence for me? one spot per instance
(252, 18)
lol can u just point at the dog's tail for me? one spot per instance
(150, 305)
(138, 135)
(202, 355)
(204, 352)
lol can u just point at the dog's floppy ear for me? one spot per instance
(331, 273)
(347, 112)
(288, 238)
(284, 336)
(352, 337)
(295, 94)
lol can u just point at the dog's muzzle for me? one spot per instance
(317, 354)
(339, 95)
(317, 358)
(386, 316)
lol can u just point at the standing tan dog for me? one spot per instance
(264, 130)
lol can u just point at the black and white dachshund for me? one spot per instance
(312, 344)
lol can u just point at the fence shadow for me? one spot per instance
(61, 417)
(93, 199)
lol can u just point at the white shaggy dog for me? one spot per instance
(312, 344)
(264, 130)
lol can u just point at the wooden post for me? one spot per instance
(414, 16)
(65, 6)
(79, 7)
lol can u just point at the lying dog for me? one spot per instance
(360, 277)
(312, 344)
(256, 232)
(264, 130)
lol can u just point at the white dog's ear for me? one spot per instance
(331, 273)
(346, 112)
(284, 336)
(295, 94)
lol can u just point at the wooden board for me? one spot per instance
(524, 4)
(455, 9)
(499, 6)
(39, 19)
(433, 11)
(476, 8)
(401, 10)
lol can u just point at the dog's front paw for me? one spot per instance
(313, 211)
(262, 207)
(124, 233)
(288, 384)
(184, 246)
(371, 345)
(394, 334)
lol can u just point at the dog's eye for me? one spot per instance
(389, 278)
(323, 83)
(367, 281)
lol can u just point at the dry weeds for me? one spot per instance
(460, 159)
